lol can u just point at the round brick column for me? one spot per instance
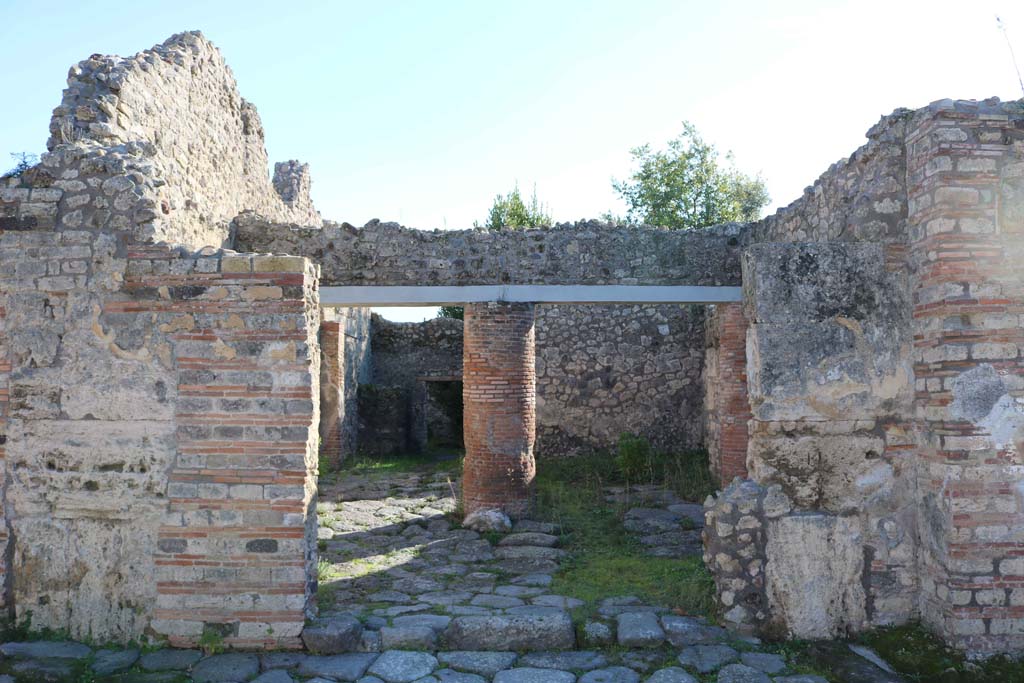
(499, 388)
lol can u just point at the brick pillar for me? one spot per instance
(332, 390)
(499, 394)
(965, 173)
(728, 405)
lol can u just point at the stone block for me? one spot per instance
(815, 575)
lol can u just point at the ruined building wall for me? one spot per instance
(345, 349)
(179, 104)
(884, 371)
(160, 439)
(588, 252)
(636, 368)
(405, 355)
(605, 370)
(966, 228)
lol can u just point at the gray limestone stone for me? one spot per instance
(233, 667)
(639, 629)
(512, 632)
(483, 663)
(109, 662)
(275, 676)
(681, 631)
(741, 673)
(347, 667)
(333, 635)
(580, 660)
(598, 633)
(438, 622)
(763, 661)
(530, 538)
(169, 660)
(399, 666)
(707, 658)
(613, 674)
(449, 676)
(408, 638)
(46, 649)
(803, 678)
(672, 674)
(498, 601)
(527, 675)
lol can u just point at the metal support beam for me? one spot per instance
(539, 294)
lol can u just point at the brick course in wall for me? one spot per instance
(966, 179)
(499, 392)
(332, 390)
(234, 551)
(727, 405)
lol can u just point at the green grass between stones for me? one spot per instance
(605, 560)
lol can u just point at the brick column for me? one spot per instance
(965, 173)
(728, 405)
(332, 390)
(499, 392)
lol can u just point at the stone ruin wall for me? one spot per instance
(604, 370)
(144, 382)
(161, 403)
(346, 364)
(176, 109)
(637, 368)
(404, 356)
(587, 253)
(884, 369)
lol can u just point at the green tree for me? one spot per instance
(511, 211)
(687, 187)
(455, 312)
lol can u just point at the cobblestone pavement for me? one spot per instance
(407, 597)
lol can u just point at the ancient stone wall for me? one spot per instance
(160, 412)
(831, 386)
(605, 370)
(859, 199)
(177, 107)
(589, 253)
(345, 345)
(965, 170)
(405, 357)
(160, 403)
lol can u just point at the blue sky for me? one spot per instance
(422, 111)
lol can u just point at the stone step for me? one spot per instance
(529, 538)
(520, 632)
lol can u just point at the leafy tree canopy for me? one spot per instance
(511, 211)
(687, 187)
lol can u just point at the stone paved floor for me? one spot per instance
(406, 597)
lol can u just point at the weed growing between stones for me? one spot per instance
(604, 560)
(922, 657)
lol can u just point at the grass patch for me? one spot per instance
(447, 461)
(922, 657)
(605, 560)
